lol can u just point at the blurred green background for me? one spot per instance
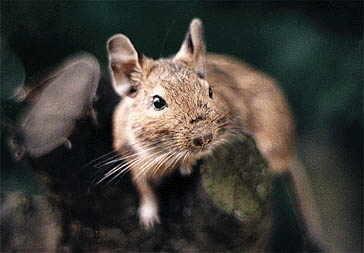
(314, 49)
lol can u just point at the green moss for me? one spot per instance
(237, 180)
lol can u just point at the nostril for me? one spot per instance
(202, 140)
(198, 141)
(207, 138)
(197, 119)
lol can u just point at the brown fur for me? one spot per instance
(251, 100)
(260, 104)
(154, 143)
(190, 111)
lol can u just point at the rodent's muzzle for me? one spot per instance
(202, 140)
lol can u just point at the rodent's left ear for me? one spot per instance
(125, 64)
(193, 49)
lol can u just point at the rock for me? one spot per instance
(223, 206)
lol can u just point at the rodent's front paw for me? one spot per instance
(148, 215)
(185, 170)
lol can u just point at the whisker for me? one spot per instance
(147, 166)
(110, 173)
(124, 167)
(163, 162)
(100, 157)
(122, 157)
(150, 159)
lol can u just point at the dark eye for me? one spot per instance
(210, 92)
(200, 75)
(159, 103)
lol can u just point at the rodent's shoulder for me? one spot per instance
(227, 61)
(231, 71)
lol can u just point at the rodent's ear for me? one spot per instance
(124, 64)
(193, 48)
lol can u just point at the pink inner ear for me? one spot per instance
(115, 66)
(190, 47)
(129, 67)
(123, 70)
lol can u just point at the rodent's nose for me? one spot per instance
(197, 119)
(202, 140)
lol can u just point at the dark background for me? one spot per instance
(314, 49)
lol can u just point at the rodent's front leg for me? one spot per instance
(148, 203)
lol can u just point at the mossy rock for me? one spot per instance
(223, 207)
(237, 180)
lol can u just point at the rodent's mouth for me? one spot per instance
(201, 151)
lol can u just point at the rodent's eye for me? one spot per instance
(210, 92)
(200, 75)
(159, 103)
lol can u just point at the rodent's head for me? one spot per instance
(170, 110)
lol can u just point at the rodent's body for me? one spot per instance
(256, 99)
(251, 97)
(175, 111)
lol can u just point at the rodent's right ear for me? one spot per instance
(193, 49)
(124, 64)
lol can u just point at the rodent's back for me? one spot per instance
(258, 101)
